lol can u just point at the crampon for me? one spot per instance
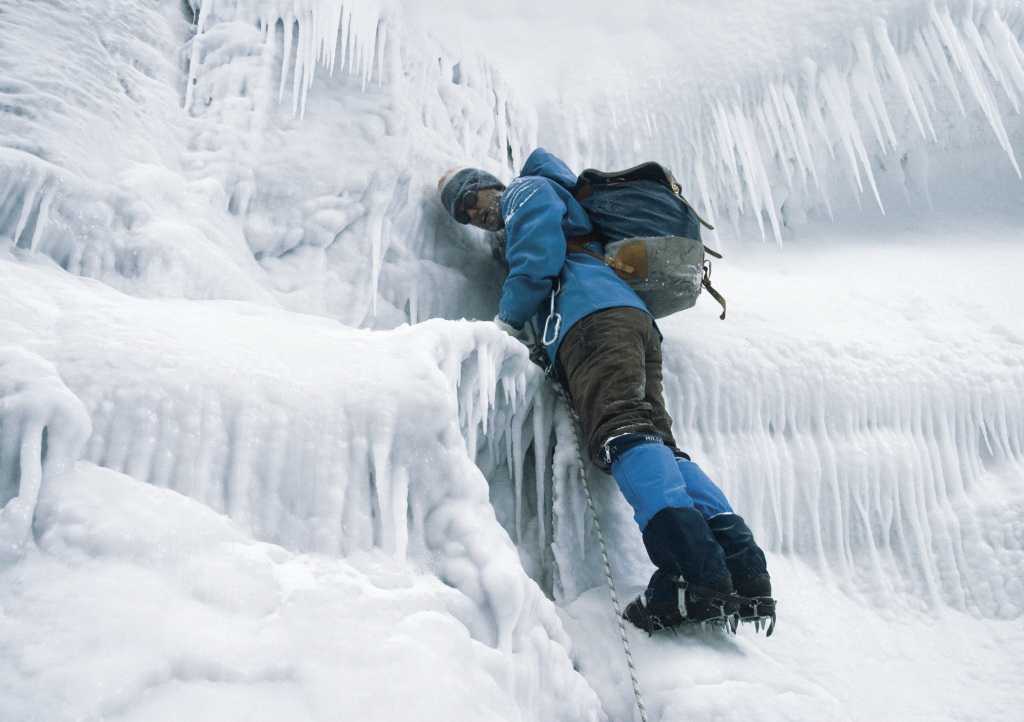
(689, 605)
(759, 611)
(693, 605)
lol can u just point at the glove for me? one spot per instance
(524, 334)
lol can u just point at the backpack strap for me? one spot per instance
(705, 281)
(678, 190)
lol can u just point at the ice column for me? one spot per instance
(43, 428)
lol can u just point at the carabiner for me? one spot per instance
(558, 327)
(552, 314)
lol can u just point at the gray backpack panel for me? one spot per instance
(665, 271)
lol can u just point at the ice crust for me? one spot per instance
(181, 185)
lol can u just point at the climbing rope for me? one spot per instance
(604, 550)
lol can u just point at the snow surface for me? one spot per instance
(242, 477)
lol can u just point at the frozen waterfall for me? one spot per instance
(262, 457)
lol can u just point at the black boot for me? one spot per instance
(747, 566)
(692, 583)
(670, 601)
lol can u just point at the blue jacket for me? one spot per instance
(540, 212)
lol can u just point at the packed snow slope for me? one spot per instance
(256, 465)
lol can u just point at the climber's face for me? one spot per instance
(483, 209)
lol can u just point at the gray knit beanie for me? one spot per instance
(458, 185)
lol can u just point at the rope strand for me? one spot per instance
(616, 606)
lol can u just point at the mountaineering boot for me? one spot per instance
(692, 582)
(669, 601)
(748, 568)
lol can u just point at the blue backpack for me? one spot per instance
(651, 235)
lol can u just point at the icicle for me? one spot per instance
(810, 76)
(982, 52)
(346, 41)
(486, 384)
(781, 116)
(796, 118)
(386, 519)
(289, 29)
(516, 464)
(705, 195)
(542, 423)
(1005, 46)
(726, 144)
(298, 70)
(937, 57)
(193, 65)
(29, 192)
(770, 128)
(43, 430)
(920, 91)
(842, 112)
(871, 93)
(896, 71)
(381, 47)
(757, 176)
(830, 85)
(975, 82)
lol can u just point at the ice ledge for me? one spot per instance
(308, 434)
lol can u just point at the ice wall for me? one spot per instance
(91, 142)
(328, 126)
(182, 165)
(285, 153)
(897, 476)
(292, 148)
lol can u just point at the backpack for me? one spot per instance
(651, 235)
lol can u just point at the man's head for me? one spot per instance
(473, 197)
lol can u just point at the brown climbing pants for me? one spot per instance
(610, 362)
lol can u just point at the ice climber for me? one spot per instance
(606, 352)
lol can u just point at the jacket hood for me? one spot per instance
(544, 164)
